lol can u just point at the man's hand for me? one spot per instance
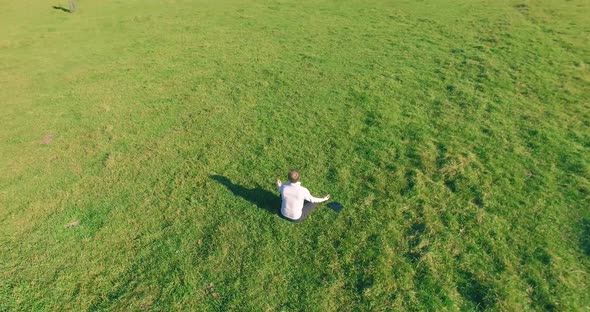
(279, 183)
(326, 197)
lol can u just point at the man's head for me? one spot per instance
(293, 176)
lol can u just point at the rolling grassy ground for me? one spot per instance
(455, 133)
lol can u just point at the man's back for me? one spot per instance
(292, 195)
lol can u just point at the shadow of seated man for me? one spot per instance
(258, 196)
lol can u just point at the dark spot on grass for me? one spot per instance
(75, 291)
(370, 253)
(359, 97)
(451, 184)
(542, 256)
(165, 224)
(540, 295)
(372, 119)
(478, 201)
(60, 8)
(414, 234)
(446, 218)
(477, 196)
(310, 58)
(417, 229)
(441, 149)
(108, 160)
(487, 131)
(492, 40)
(585, 237)
(475, 291)
(95, 218)
(430, 292)
(413, 153)
(206, 244)
(363, 283)
(332, 174)
(410, 184)
(572, 164)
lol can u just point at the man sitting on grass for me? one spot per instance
(297, 202)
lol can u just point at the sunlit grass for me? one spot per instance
(455, 134)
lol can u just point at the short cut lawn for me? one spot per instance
(140, 142)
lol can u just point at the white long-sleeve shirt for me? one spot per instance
(293, 196)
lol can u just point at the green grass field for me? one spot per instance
(455, 133)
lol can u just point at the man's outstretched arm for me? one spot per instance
(312, 199)
(279, 183)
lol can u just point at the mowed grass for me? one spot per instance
(455, 133)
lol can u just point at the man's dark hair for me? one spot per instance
(293, 175)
